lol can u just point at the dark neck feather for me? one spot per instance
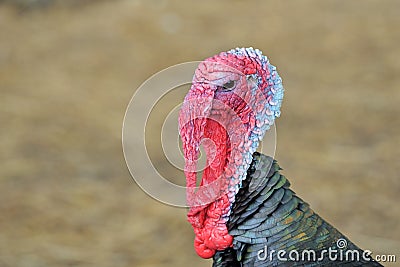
(268, 213)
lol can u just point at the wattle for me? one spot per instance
(210, 228)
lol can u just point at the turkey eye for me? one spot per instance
(229, 85)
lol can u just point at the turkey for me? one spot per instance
(243, 211)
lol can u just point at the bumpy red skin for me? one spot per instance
(211, 232)
(207, 219)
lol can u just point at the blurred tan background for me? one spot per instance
(69, 68)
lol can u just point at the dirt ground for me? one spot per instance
(69, 68)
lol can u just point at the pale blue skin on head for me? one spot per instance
(264, 119)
